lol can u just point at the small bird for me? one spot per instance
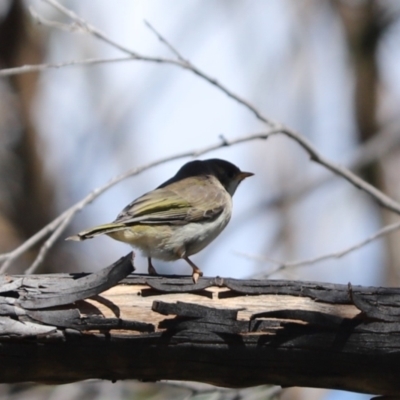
(180, 217)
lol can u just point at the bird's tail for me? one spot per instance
(96, 231)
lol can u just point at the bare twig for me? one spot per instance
(183, 64)
(41, 67)
(382, 199)
(166, 43)
(88, 27)
(310, 261)
(382, 144)
(382, 232)
(53, 24)
(48, 244)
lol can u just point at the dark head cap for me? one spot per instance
(227, 173)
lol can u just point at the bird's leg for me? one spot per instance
(151, 269)
(196, 270)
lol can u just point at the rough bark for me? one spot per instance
(228, 332)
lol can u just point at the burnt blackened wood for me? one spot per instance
(80, 288)
(20, 297)
(311, 317)
(73, 319)
(374, 302)
(382, 304)
(293, 354)
(328, 293)
(56, 328)
(194, 311)
(179, 285)
(199, 318)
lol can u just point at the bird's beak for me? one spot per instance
(243, 175)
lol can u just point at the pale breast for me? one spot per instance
(196, 236)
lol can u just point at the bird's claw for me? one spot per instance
(196, 275)
(152, 271)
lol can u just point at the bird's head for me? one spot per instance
(227, 173)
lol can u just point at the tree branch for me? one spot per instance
(48, 244)
(227, 332)
(42, 67)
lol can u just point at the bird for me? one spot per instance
(180, 217)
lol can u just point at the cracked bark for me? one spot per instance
(234, 333)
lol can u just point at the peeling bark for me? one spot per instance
(228, 332)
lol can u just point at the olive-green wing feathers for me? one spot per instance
(177, 204)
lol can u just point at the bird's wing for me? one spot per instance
(203, 201)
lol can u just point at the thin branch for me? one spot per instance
(189, 66)
(40, 20)
(381, 198)
(183, 64)
(89, 28)
(310, 261)
(166, 43)
(48, 244)
(41, 67)
(382, 232)
(382, 144)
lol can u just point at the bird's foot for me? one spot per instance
(151, 269)
(196, 275)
